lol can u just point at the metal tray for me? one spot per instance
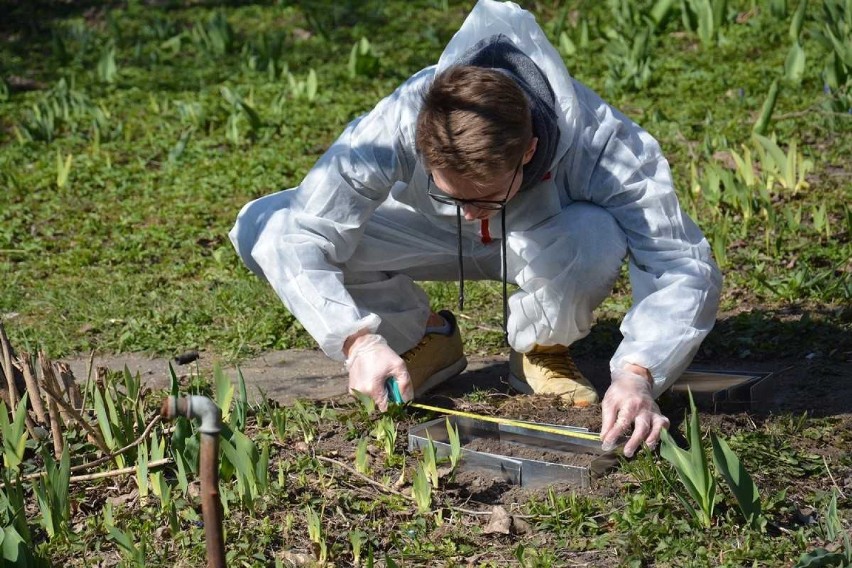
(519, 471)
(725, 390)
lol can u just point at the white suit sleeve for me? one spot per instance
(299, 239)
(676, 285)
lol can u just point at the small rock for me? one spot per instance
(302, 34)
(296, 558)
(87, 328)
(185, 358)
(500, 522)
(20, 84)
(805, 516)
(520, 526)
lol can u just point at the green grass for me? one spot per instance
(131, 252)
(310, 498)
(127, 250)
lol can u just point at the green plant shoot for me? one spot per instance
(315, 534)
(430, 461)
(63, 170)
(362, 464)
(224, 392)
(455, 445)
(692, 469)
(422, 490)
(740, 482)
(53, 496)
(14, 434)
(768, 108)
(356, 539)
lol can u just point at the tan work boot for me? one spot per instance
(436, 358)
(550, 370)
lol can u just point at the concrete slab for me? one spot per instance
(283, 376)
(820, 387)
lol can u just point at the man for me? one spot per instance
(493, 164)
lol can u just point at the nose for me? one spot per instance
(472, 212)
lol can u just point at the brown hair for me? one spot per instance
(474, 121)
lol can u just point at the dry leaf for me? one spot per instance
(124, 498)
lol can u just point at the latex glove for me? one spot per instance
(629, 403)
(370, 363)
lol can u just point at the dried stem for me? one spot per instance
(25, 364)
(118, 472)
(90, 366)
(833, 481)
(129, 446)
(8, 370)
(53, 412)
(99, 461)
(55, 427)
(386, 489)
(48, 377)
(70, 384)
(56, 396)
(363, 477)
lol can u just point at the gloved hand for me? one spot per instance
(370, 363)
(629, 403)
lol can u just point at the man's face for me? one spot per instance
(501, 188)
(496, 191)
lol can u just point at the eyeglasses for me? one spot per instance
(490, 205)
(486, 204)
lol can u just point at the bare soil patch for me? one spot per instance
(528, 452)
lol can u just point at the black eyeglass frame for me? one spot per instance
(489, 205)
(485, 204)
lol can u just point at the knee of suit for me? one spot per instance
(583, 243)
(600, 242)
(250, 224)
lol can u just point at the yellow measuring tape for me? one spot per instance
(510, 422)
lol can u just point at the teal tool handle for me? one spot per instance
(393, 391)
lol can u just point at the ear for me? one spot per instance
(528, 155)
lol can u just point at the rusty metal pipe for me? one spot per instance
(205, 410)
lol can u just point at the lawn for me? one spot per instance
(132, 133)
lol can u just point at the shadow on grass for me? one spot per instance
(32, 20)
(806, 353)
(35, 17)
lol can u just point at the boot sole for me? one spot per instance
(519, 385)
(441, 376)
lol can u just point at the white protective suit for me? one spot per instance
(343, 249)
